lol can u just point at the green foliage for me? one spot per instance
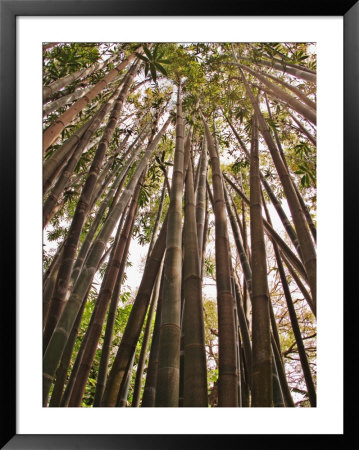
(302, 149)
(286, 53)
(56, 233)
(307, 175)
(68, 58)
(211, 340)
(153, 61)
(238, 165)
(209, 268)
(305, 166)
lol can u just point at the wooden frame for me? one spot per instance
(10, 9)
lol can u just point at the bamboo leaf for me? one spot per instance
(161, 68)
(148, 53)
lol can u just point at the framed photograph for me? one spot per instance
(193, 97)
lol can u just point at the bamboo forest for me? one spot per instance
(179, 224)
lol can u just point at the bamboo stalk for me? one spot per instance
(58, 340)
(228, 374)
(262, 390)
(195, 366)
(52, 133)
(167, 391)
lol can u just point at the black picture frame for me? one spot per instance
(9, 10)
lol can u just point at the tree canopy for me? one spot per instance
(204, 154)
